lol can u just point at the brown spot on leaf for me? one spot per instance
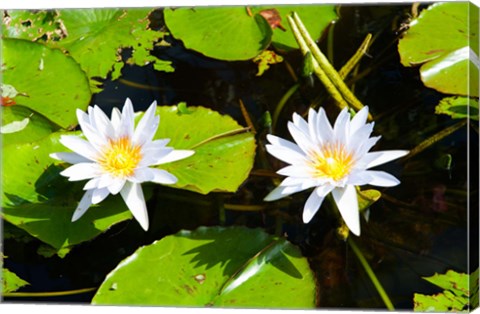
(273, 18)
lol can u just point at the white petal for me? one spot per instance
(312, 205)
(147, 126)
(382, 157)
(359, 178)
(79, 146)
(381, 178)
(359, 120)
(276, 194)
(82, 171)
(99, 195)
(361, 137)
(324, 128)
(132, 194)
(72, 158)
(153, 156)
(341, 128)
(128, 118)
(347, 203)
(116, 185)
(305, 183)
(175, 155)
(84, 204)
(105, 180)
(303, 140)
(95, 137)
(102, 123)
(163, 177)
(297, 171)
(300, 123)
(141, 175)
(286, 154)
(312, 125)
(116, 119)
(92, 183)
(278, 141)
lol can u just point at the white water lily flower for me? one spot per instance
(330, 160)
(116, 157)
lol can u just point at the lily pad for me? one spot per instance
(32, 25)
(96, 38)
(225, 33)
(36, 199)
(444, 40)
(315, 17)
(219, 267)
(224, 152)
(47, 81)
(10, 281)
(21, 125)
(458, 107)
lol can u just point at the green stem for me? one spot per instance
(282, 103)
(371, 274)
(322, 76)
(353, 61)
(48, 294)
(326, 66)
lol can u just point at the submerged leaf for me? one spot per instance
(265, 59)
(458, 107)
(219, 267)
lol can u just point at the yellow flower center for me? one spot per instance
(120, 157)
(332, 161)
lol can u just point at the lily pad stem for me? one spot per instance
(48, 294)
(371, 274)
(281, 104)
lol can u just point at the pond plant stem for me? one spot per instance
(371, 274)
(324, 64)
(48, 294)
(281, 104)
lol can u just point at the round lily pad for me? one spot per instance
(219, 267)
(224, 152)
(225, 33)
(47, 81)
(444, 40)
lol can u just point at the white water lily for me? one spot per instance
(330, 160)
(116, 157)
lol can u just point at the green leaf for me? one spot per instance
(444, 39)
(367, 197)
(220, 267)
(32, 25)
(10, 281)
(47, 81)
(454, 298)
(225, 33)
(221, 163)
(458, 107)
(265, 59)
(41, 202)
(96, 38)
(315, 17)
(21, 125)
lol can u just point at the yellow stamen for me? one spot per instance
(120, 157)
(332, 161)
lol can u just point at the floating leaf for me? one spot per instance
(225, 33)
(224, 152)
(444, 39)
(38, 200)
(315, 17)
(458, 107)
(96, 38)
(454, 298)
(21, 125)
(47, 81)
(32, 25)
(265, 59)
(10, 281)
(220, 267)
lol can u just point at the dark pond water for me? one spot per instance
(418, 228)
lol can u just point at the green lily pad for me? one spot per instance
(219, 267)
(21, 125)
(38, 200)
(32, 25)
(96, 38)
(444, 40)
(47, 81)
(458, 107)
(222, 159)
(454, 298)
(315, 17)
(225, 33)
(10, 281)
